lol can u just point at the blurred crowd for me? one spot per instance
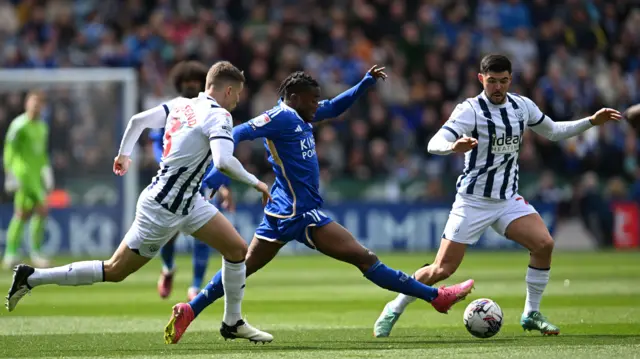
(571, 57)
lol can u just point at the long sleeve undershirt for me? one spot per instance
(225, 162)
(151, 118)
(556, 131)
(442, 142)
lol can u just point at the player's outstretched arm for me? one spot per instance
(556, 131)
(339, 104)
(152, 118)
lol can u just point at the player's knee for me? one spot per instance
(365, 260)
(113, 272)
(237, 252)
(543, 246)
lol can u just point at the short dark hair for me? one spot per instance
(495, 63)
(186, 71)
(296, 82)
(223, 71)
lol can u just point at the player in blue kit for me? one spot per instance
(188, 78)
(294, 213)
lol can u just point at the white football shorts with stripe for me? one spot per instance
(470, 216)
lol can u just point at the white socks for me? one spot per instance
(537, 280)
(78, 273)
(233, 278)
(401, 302)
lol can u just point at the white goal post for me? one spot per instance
(24, 79)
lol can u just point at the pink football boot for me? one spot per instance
(448, 296)
(181, 317)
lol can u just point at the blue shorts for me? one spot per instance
(285, 230)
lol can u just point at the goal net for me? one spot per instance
(86, 111)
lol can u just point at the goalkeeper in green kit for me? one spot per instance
(29, 175)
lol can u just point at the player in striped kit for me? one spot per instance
(196, 131)
(188, 79)
(487, 191)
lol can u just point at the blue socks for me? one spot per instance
(200, 261)
(213, 291)
(166, 253)
(397, 281)
(379, 274)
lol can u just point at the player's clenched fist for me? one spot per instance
(121, 165)
(464, 144)
(605, 115)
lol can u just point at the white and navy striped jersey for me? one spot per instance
(491, 168)
(191, 124)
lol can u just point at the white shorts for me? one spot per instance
(470, 216)
(154, 226)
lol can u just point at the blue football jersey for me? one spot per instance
(291, 150)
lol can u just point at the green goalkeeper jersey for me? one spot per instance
(25, 148)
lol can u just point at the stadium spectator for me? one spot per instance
(570, 57)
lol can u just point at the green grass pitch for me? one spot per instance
(319, 308)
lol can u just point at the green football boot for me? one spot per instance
(385, 322)
(536, 321)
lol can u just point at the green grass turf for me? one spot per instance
(319, 308)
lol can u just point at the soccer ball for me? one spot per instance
(483, 318)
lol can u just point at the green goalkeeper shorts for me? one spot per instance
(28, 197)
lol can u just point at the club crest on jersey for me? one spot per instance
(505, 144)
(520, 115)
(259, 121)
